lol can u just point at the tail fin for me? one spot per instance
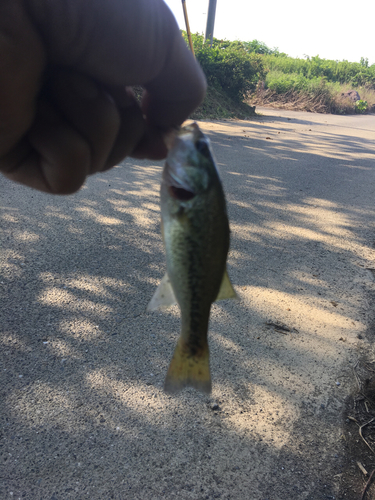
(187, 369)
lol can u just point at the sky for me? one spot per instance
(331, 29)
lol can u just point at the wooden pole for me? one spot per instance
(187, 26)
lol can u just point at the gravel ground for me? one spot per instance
(83, 413)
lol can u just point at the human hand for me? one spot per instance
(66, 67)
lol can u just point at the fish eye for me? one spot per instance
(202, 147)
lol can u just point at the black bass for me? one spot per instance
(195, 231)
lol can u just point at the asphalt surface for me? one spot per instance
(82, 410)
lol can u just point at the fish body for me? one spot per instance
(195, 231)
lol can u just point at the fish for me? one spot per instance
(195, 231)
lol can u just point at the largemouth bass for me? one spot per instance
(195, 232)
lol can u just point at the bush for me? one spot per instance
(283, 82)
(361, 106)
(228, 65)
(259, 48)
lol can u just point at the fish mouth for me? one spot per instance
(180, 193)
(177, 182)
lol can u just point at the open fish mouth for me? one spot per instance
(178, 183)
(180, 193)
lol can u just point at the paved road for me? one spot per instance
(83, 414)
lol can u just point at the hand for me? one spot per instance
(66, 67)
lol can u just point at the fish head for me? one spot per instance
(190, 169)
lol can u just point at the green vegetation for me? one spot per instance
(315, 84)
(281, 82)
(228, 66)
(357, 74)
(361, 106)
(244, 73)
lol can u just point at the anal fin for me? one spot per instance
(163, 296)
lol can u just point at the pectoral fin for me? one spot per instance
(163, 296)
(226, 289)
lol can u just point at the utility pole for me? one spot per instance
(210, 20)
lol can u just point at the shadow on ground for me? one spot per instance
(83, 413)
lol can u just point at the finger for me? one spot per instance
(132, 125)
(53, 158)
(92, 112)
(178, 89)
(151, 146)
